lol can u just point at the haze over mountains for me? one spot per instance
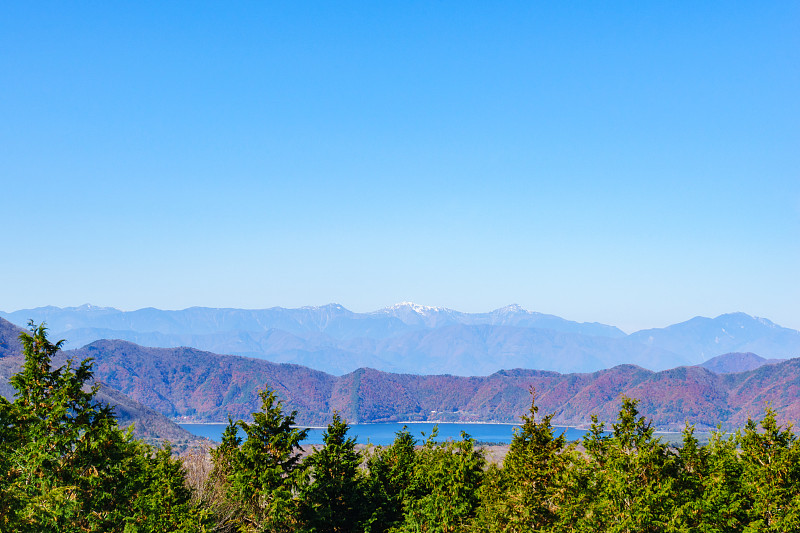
(418, 339)
(731, 363)
(186, 383)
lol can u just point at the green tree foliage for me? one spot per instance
(708, 496)
(527, 493)
(335, 497)
(258, 479)
(391, 470)
(770, 476)
(443, 494)
(65, 465)
(631, 483)
(165, 501)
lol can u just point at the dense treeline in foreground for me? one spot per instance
(65, 465)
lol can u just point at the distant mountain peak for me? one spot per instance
(417, 308)
(326, 307)
(90, 307)
(737, 362)
(511, 309)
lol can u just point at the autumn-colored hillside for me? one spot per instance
(201, 386)
(148, 422)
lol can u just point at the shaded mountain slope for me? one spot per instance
(147, 423)
(10, 356)
(457, 349)
(483, 349)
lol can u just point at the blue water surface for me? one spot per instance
(384, 433)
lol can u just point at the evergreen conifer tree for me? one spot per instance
(391, 470)
(259, 477)
(65, 465)
(335, 497)
(770, 475)
(443, 495)
(526, 494)
(632, 485)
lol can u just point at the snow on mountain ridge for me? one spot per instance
(417, 308)
(326, 307)
(515, 309)
(766, 322)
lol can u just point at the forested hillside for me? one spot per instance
(204, 386)
(66, 465)
(148, 422)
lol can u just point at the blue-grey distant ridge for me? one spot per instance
(418, 339)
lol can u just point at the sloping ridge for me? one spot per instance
(730, 363)
(148, 423)
(184, 382)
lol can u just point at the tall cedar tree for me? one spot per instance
(390, 474)
(334, 498)
(259, 478)
(634, 478)
(527, 493)
(66, 466)
(771, 476)
(443, 495)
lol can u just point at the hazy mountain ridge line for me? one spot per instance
(419, 339)
(186, 382)
(737, 362)
(285, 318)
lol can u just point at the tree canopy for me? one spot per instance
(65, 465)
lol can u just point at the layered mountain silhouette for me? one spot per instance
(703, 338)
(191, 384)
(185, 382)
(410, 338)
(147, 422)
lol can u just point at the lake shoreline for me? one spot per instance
(384, 433)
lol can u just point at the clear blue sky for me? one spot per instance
(631, 163)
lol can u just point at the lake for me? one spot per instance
(384, 433)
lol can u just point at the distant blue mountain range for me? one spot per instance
(410, 338)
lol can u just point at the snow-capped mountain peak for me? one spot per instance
(416, 308)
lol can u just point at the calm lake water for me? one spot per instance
(383, 434)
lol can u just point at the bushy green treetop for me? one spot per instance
(261, 475)
(335, 498)
(65, 465)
